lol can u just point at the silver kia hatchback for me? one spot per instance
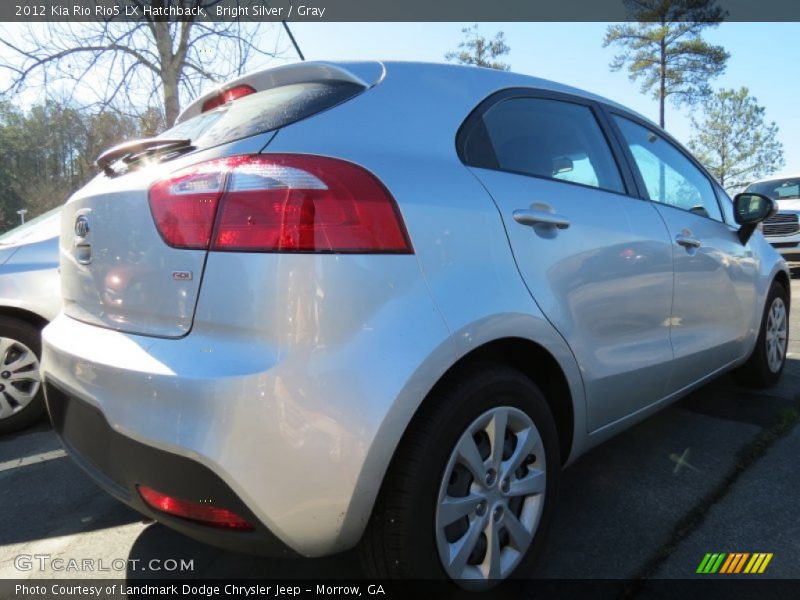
(383, 304)
(29, 299)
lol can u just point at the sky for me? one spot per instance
(765, 57)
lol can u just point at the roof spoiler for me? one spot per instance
(125, 149)
(365, 74)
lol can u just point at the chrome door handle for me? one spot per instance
(687, 242)
(531, 216)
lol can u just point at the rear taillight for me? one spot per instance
(199, 512)
(225, 96)
(184, 206)
(278, 203)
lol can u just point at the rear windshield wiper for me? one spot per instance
(137, 147)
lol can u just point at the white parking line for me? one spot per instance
(31, 460)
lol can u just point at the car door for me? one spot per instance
(715, 274)
(597, 261)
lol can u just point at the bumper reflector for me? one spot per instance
(199, 512)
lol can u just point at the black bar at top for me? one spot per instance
(370, 10)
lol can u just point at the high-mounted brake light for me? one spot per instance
(205, 514)
(225, 96)
(278, 203)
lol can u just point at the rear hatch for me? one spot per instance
(129, 267)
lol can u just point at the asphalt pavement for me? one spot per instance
(715, 472)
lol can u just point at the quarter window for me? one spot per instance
(544, 138)
(669, 176)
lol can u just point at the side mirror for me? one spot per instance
(750, 209)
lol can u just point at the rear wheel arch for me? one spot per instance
(22, 314)
(515, 365)
(530, 359)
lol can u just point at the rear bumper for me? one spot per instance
(293, 403)
(118, 464)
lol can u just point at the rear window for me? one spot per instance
(777, 189)
(263, 111)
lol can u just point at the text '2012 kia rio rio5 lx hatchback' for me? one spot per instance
(383, 304)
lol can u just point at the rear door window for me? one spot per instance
(546, 138)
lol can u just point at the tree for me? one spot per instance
(48, 152)
(665, 49)
(476, 50)
(734, 141)
(134, 66)
(10, 200)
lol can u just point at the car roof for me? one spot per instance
(43, 227)
(484, 81)
(494, 77)
(777, 177)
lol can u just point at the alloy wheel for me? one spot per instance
(491, 497)
(776, 335)
(19, 376)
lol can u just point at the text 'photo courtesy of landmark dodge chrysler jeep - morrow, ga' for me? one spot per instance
(383, 304)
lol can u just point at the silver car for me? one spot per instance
(383, 304)
(783, 229)
(29, 299)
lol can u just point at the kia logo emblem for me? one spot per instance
(81, 226)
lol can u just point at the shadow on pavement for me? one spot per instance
(44, 495)
(725, 399)
(36, 439)
(160, 542)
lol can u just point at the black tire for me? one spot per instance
(756, 372)
(30, 336)
(400, 541)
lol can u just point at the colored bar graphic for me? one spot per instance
(717, 564)
(727, 564)
(733, 563)
(755, 562)
(765, 563)
(730, 564)
(703, 564)
(741, 562)
(711, 562)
